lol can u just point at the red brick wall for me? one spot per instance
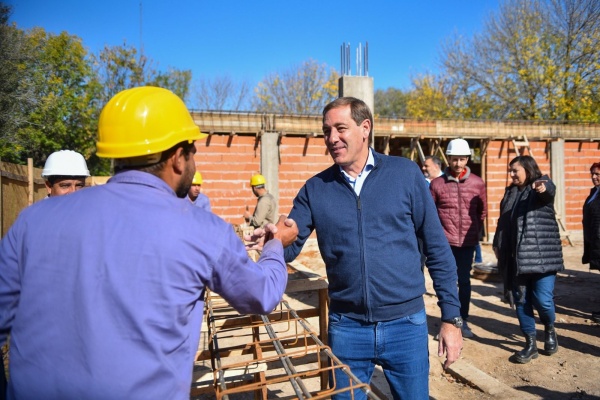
(499, 154)
(228, 162)
(579, 156)
(301, 158)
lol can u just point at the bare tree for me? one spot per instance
(221, 93)
(303, 89)
(535, 59)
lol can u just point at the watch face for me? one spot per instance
(458, 322)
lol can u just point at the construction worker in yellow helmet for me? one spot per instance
(266, 206)
(195, 194)
(114, 276)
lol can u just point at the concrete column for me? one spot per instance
(361, 87)
(557, 166)
(269, 161)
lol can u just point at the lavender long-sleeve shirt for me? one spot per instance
(102, 290)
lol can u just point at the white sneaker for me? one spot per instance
(466, 331)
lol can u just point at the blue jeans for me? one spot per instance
(398, 346)
(464, 260)
(538, 293)
(478, 256)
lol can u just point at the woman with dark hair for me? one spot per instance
(529, 250)
(591, 227)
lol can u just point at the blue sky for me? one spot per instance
(247, 40)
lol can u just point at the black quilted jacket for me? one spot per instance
(591, 231)
(529, 233)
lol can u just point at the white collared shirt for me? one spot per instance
(357, 182)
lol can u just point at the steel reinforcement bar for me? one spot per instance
(275, 355)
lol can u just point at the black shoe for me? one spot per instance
(596, 317)
(529, 352)
(550, 340)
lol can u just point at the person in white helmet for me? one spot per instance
(460, 198)
(64, 172)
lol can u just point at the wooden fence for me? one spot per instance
(21, 186)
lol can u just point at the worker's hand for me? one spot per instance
(285, 230)
(450, 342)
(247, 214)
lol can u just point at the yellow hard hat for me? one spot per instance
(144, 120)
(197, 179)
(257, 180)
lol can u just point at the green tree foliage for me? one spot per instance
(437, 97)
(535, 59)
(303, 89)
(121, 67)
(52, 91)
(430, 98)
(64, 112)
(177, 81)
(16, 96)
(391, 103)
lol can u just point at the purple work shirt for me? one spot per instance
(102, 290)
(202, 201)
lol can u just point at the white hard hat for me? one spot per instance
(65, 163)
(458, 147)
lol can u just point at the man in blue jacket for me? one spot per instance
(369, 211)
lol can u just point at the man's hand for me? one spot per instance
(285, 230)
(450, 342)
(247, 214)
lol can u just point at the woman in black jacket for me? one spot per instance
(591, 227)
(529, 250)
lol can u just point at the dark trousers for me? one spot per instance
(464, 260)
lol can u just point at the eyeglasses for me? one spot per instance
(595, 173)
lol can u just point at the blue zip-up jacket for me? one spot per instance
(370, 242)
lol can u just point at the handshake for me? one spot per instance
(284, 230)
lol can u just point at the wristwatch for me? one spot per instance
(456, 321)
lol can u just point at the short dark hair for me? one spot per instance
(55, 178)
(594, 166)
(435, 159)
(532, 171)
(156, 167)
(359, 110)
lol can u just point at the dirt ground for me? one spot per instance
(572, 373)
